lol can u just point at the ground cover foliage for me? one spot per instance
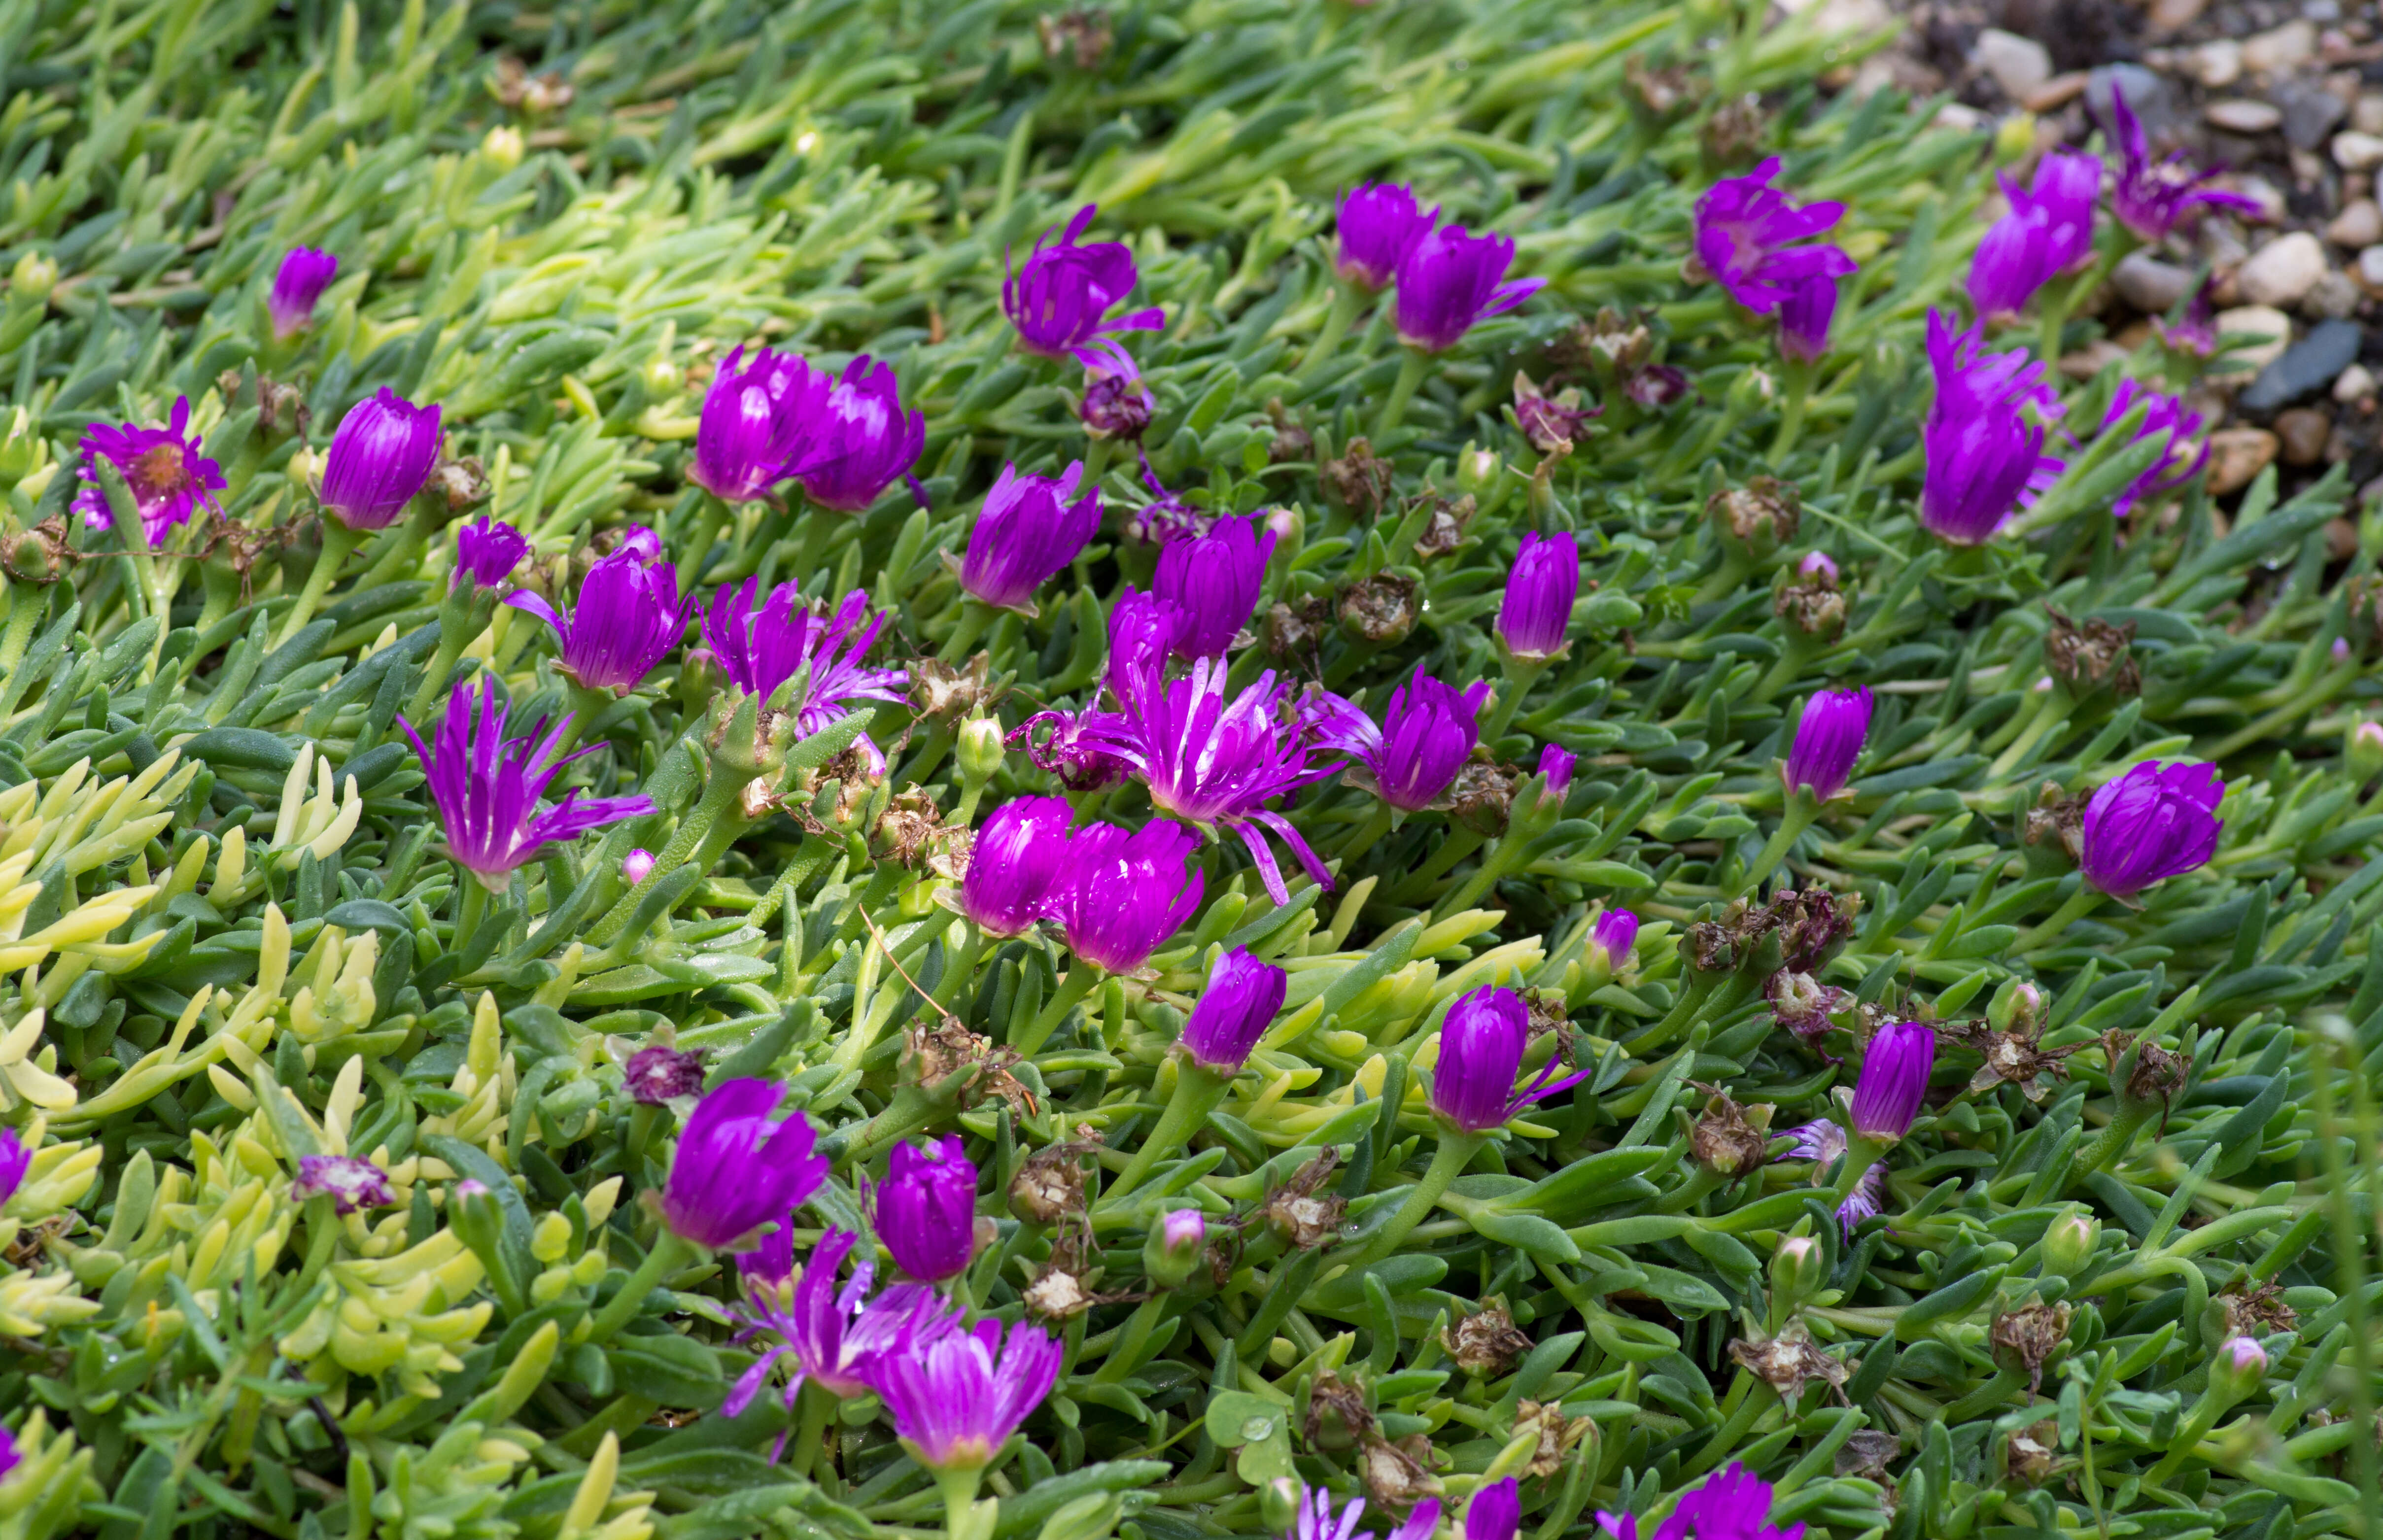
(355, 1195)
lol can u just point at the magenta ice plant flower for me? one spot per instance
(1378, 222)
(2153, 822)
(2048, 233)
(1058, 297)
(1451, 280)
(1126, 892)
(1747, 238)
(2167, 419)
(381, 453)
(1481, 1046)
(298, 283)
(351, 1182)
(757, 424)
(762, 650)
(861, 440)
(739, 1167)
(1983, 435)
(2154, 198)
(957, 1399)
(1029, 529)
(167, 476)
(628, 618)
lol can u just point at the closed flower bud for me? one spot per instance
(379, 457)
(2364, 750)
(1555, 768)
(1893, 1081)
(2237, 1369)
(502, 147)
(1535, 615)
(33, 277)
(2070, 1244)
(2153, 822)
(637, 865)
(1173, 1252)
(926, 1209)
(1481, 1046)
(979, 749)
(1828, 740)
(1799, 1269)
(1280, 1507)
(1116, 406)
(1233, 1012)
(1612, 937)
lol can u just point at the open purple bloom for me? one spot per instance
(2169, 419)
(1828, 740)
(926, 1209)
(1451, 280)
(1027, 531)
(1317, 1521)
(1745, 239)
(628, 618)
(657, 1074)
(1075, 747)
(169, 479)
(487, 551)
(1126, 894)
(1427, 734)
(487, 788)
(1984, 435)
(1016, 865)
(739, 1167)
(1167, 516)
(2195, 332)
(957, 1400)
(2156, 197)
(1057, 298)
(1733, 1504)
(1212, 761)
(762, 650)
(756, 422)
(837, 1338)
(351, 1182)
(10, 1456)
(2153, 822)
(380, 455)
(1535, 616)
(1495, 1512)
(1379, 224)
(1615, 934)
(1821, 1142)
(2047, 233)
(298, 283)
(15, 1162)
(1233, 1012)
(1213, 580)
(1805, 317)
(862, 439)
(1481, 1046)
(1894, 1079)
(1555, 768)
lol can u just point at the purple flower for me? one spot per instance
(1056, 299)
(1379, 224)
(15, 1162)
(1894, 1079)
(1818, 565)
(658, 1074)
(10, 1456)
(1535, 616)
(1452, 279)
(304, 275)
(1075, 747)
(926, 1209)
(628, 618)
(1984, 435)
(1615, 934)
(2155, 197)
(862, 439)
(1555, 768)
(379, 457)
(1124, 893)
(2047, 233)
(486, 552)
(1234, 1011)
(738, 1167)
(756, 422)
(349, 1181)
(762, 650)
(1745, 235)
(772, 1261)
(1027, 532)
(1184, 1229)
(2166, 418)
(2153, 822)
(1427, 734)
(487, 787)
(1733, 1504)
(1216, 762)
(1805, 318)
(2196, 331)
(1016, 865)
(1116, 406)
(837, 1338)
(1213, 581)
(1655, 386)
(1481, 1048)
(1821, 1142)
(957, 1400)
(1495, 1513)
(1317, 1522)
(1828, 740)
(1167, 516)
(167, 476)
(1422, 1522)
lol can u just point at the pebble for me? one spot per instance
(2370, 267)
(2281, 271)
(2255, 321)
(2169, 17)
(2267, 195)
(2149, 284)
(2367, 116)
(2303, 432)
(2357, 151)
(2359, 225)
(2058, 92)
(2287, 47)
(2236, 455)
(2149, 97)
(2309, 364)
(2310, 112)
(2333, 296)
(2356, 384)
(2218, 65)
(2241, 117)
(2018, 64)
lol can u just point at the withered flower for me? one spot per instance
(2087, 657)
(1381, 609)
(1487, 1344)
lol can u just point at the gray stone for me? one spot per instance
(2019, 64)
(2150, 285)
(2335, 295)
(2308, 365)
(2281, 271)
(2149, 97)
(2310, 112)
(2287, 47)
(2370, 269)
(2358, 225)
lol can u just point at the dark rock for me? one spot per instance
(2150, 285)
(2304, 430)
(2311, 364)
(2310, 112)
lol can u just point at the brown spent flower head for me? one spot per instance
(1790, 1361)
(1049, 1187)
(1661, 91)
(464, 483)
(40, 554)
(1804, 1006)
(1482, 795)
(2058, 821)
(1293, 631)
(1714, 946)
(1444, 531)
(2086, 658)
(2158, 1073)
(1381, 609)
(281, 410)
(1552, 424)
(909, 824)
(1338, 1418)
(1292, 442)
(1082, 33)
(1487, 1344)
(1866, 1453)
(1813, 607)
(2015, 1055)
(1811, 924)
(1734, 132)
(933, 1052)
(1397, 1472)
(1607, 347)
(518, 88)
(1558, 1434)
(1359, 479)
(1296, 1212)
(1730, 1139)
(2257, 1311)
(939, 690)
(2028, 1338)
(1762, 515)
(2032, 1455)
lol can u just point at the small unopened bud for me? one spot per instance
(33, 277)
(2239, 1367)
(502, 148)
(1286, 523)
(1174, 1248)
(1279, 1505)
(1799, 1269)
(1818, 565)
(2070, 1244)
(1115, 407)
(637, 865)
(22, 450)
(662, 375)
(304, 470)
(1476, 472)
(2365, 750)
(980, 750)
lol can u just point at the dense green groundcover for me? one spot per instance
(230, 938)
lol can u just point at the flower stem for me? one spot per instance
(1455, 1152)
(1080, 982)
(1798, 385)
(975, 615)
(2079, 905)
(1521, 674)
(958, 1487)
(339, 541)
(1343, 314)
(1377, 824)
(1797, 818)
(1859, 1156)
(669, 1252)
(1198, 1089)
(1394, 409)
